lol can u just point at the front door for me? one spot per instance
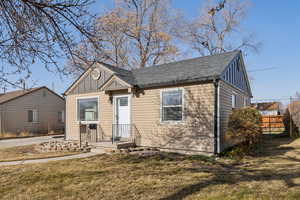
(122, 117)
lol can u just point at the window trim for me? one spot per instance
(234, 99)
(161, 106)
(37, 115)
(88, 122)
(62, 113)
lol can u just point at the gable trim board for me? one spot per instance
(111, 80)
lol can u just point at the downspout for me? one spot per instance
(216, 118)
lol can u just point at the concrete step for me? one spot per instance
(103, 145)
(98, 150)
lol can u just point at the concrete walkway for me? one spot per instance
(44, 160)
(6, 143)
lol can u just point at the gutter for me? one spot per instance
(216, 118)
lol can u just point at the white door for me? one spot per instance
(122, 116)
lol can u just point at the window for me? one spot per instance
(87, 109)
(61, 116)
(245, 102)
(123, 101)
(233, 101)
(32, 115)
(172, 105)
(44, 93)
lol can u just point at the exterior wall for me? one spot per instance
(14, 115)
(225, 95)
(105, 115)
(195, 133)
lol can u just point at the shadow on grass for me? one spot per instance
(165, 157)
(231, 175)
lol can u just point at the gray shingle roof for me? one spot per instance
(185, 71)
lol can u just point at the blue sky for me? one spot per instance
(275, 24)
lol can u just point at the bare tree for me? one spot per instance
(32, 30)
(218, 28)
(136, 33)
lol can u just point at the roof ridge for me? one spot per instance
(26, 90)
(189, 59)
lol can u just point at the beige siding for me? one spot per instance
(14, 116)
(105, 115)
(194, 133)
(225, 95)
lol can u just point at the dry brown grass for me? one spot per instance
(27, 152)
(168, 176)
(6, 135)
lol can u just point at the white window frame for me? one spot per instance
(161, 106)
(233, 100)
(88, 122)
(245, 102)
(35, 115)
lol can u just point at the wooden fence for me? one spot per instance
(272, 124)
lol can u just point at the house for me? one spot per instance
(181, 106)
(269, 108)
(36, 110)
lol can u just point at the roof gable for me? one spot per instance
(86, 83)
(235, 74)
(115, 83)
(9, 96)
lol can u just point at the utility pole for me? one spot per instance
(291, 119)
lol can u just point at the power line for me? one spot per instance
(263, 69)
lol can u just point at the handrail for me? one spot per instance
(122, 132)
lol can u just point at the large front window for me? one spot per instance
(87, 109)
(172, 105)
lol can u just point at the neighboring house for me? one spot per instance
(180, 106)
(37, 110)
(269, 108)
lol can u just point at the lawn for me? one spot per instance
(167, 176)
(27, 152)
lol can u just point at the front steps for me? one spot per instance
(107, 147)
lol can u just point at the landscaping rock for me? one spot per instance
(62, 146)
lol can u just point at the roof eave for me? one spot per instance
(179, 82)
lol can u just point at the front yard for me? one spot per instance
(274, 174)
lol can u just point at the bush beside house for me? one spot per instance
(245, 125)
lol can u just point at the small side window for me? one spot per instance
(32, 115)
(61, 116)
(233, 100)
